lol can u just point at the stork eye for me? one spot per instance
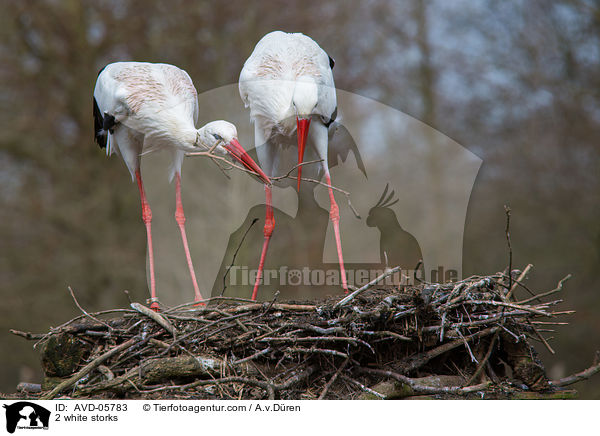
(217, 137)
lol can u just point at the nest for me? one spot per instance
(465, 339)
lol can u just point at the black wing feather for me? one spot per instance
(99, 133)
(332, 118)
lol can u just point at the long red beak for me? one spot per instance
(238, 152)
(302, 127)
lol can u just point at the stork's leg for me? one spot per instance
(147, 218)
(180, 218)
(268, 231)
(319, 135)
(334, 215)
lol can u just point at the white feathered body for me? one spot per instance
(280, 63)
(155, 106)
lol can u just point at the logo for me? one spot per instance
(26, 415)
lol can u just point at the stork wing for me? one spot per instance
(135, 92)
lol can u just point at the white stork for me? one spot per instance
(141, 107)
(288, 84)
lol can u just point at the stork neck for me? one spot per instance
(184, 134)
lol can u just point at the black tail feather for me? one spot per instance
(99, 133)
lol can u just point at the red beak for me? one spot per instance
(302, 127)
(238, 152)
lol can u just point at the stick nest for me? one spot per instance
(469, 338)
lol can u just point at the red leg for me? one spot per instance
(268, 231)
(147, 218)
(334, 215)
(180, 218)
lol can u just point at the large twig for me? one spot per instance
(519, 280)
(156, 317)
(417, 387)
(558, 288)
(583, 375)
(344, 301)
(93, 318)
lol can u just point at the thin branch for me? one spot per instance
(583, 375)
(86, 313)
(344, 301)
(254, 221)
(484, 360)
(333, 379)
(519, 280)
(363, 387)
(558, 288)
(222, 159)
(510, 254)
(286, 176)
(539, 335)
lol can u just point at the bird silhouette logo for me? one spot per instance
(397, 246)
(26, 415)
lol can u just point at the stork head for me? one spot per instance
(221, 136)
(304, 101)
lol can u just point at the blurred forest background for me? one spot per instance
(516, 82)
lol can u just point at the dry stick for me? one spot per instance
(344, 301)
(156, 317)
(86, 313)
(252, 357)
(417, 387)
(416, 361)
(473, 359)
(483, 361)
(519, 279)
(326, 352)
(295, 167)
(209, 154)
(386, 333)
(583, 375)
(287, 176)
(56, 329)
(276, 306)
(363, 387)
(333, 379)
(558, 288)
(507, 232)
(490, 320)
(254, 221)
(28, 335)
(511, 305)
(539, 335)
(206, 301)
(353, 341)
(87, 369)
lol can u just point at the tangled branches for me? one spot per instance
(454, 339)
